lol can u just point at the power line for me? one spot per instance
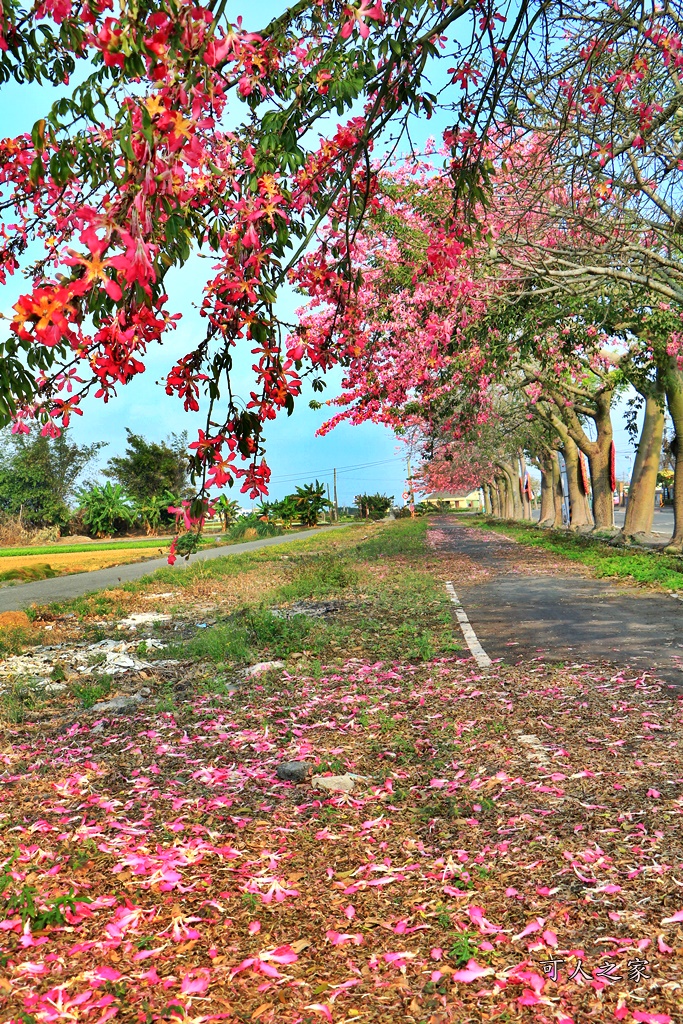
(330, 469)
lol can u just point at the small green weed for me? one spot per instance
(463, 949)
(20, 700)
(331, 764)
(91, 689)
(165, 704)
(212, 686)
(81, 856)
(28, 903)
(14, 639)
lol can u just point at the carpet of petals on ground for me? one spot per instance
(513, 828)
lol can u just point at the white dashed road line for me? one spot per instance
(478, 653)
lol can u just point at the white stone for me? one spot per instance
(335, 783)
(263, 666)
(136, 619)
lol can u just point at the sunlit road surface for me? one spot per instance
(663, 520)
(524, 604)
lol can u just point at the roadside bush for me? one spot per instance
(279, 513)
(152, 512)
(254, 522)
(105, 509)
(373, 506)
(310, 502)
(227, 509)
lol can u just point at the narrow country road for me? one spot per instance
(523, 605)
(63, 588)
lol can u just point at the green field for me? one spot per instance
(67, 549)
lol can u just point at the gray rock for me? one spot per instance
(118, 705)
(293, 771)
(55, 688)
(311, 609)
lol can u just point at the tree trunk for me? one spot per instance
(558, 520)
(674, 401)
(496, 502)
(511, 474)
(577, 501)
(504, 501)
(546, 465)
(486, 488)
(603, 498)
(508, 510)
(598, 454)
(641, 493)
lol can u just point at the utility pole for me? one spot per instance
(329, 509)
(336, 506)
(410, 488)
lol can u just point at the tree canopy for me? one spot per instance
(38, 475)
(265, 148)
(149, 468)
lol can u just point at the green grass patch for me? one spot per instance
(645, 566)
(13, 640)
(72, 549)
(92, 689)
(20, 701)
(391, 607)
(319, 575)
(26, 573)
(249, 635)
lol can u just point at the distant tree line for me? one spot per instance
(39, 483)
(40, 490)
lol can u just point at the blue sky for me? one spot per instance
(294, 453)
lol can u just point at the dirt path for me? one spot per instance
(526, 603)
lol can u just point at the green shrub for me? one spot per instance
(105, 509)
(373, 506)
(92, 689)
(254, 522)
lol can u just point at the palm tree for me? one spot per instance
(228, 510)
(311, 503)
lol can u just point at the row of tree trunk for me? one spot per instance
(592, 505)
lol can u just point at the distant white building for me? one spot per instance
(455, 499)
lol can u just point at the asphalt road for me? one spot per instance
(62, 588)
(663, 522)
(537, 613)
